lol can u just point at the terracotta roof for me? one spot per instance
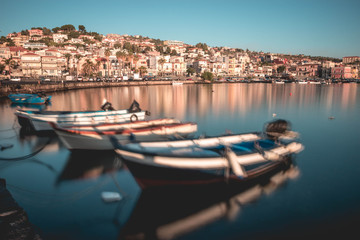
(29, 53)
(16, 49)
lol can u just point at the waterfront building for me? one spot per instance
(325, 69)
(201, 66)
(52, 65)
(308, 70)
(355, 72)
(341, 72)
(351, 59)
(31, 64)
(178, 65)
(217, 68)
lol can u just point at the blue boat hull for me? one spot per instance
(29, 98)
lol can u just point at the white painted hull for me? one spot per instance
(41, 122)
(206, 162)
(100, 141)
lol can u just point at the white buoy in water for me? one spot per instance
(274, 114)
(111, 196)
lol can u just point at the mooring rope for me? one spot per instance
(28, 155)
(10, 129)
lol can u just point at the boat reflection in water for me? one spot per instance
(90, 164)
(172, 212)
(31, 106)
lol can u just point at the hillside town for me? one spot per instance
(70, 54)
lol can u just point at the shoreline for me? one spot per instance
(32, 87)
(37, 86)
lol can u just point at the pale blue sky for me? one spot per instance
(311, 27)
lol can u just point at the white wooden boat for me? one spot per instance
(39, 120)
(207, 160)
(175, 83)
(97, 137)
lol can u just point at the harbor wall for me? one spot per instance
(6, 89)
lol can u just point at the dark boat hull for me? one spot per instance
(155, 176)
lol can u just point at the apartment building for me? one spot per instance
(5, 52)
(341, 72)
(351, 59)
(31, 64)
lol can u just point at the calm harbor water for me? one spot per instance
(317, 196)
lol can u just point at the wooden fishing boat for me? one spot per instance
(25, 98)
(39, 120)
(233, 157)
(97, 137)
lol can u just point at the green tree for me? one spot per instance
(203, 46)
(88, 68)
(2, 68)
(120, 55)
(82, 28)
(190, 71)
(160, 49)
(107, 54)
(142, 70)
(280, 69)
(25, 32)
(98, 37)
(55, 29)
(207, 76)
(9, 65)
(68, 28)
(117, 45)
(73, 34)
(67, 56)
(168, 50)
(161, 61)
(46, 31)
(147, 49)
(173, 52)
(77, 57)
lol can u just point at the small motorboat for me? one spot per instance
(235, 157)
(39, 120)
(26, 98)
(97, 137)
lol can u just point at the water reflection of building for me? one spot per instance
(199, 101)
(168, 213)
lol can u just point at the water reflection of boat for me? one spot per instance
(30, 106)
(172, 212)
(96, 164)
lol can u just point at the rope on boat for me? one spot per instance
(28, 155)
